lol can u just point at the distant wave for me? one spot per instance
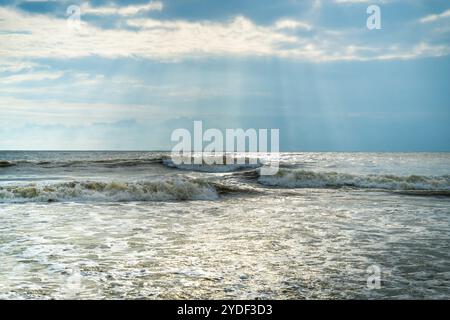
(214, 168)
(109, 163)
(179, 188)
(120, 163)
(296, 178)
(4, 164)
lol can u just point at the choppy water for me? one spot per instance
(133, 225)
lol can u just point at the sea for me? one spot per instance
(135, 225)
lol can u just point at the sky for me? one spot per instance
(127, 73)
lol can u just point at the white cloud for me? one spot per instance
(422, 49)
(130, 10)
(166, 40)
(291, 24)
(31, 76)
(435, 17)
(11, 65)
(360, 1)
(351, 1)
(41, 36)
(20, 111)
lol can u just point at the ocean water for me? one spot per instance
(133, 225)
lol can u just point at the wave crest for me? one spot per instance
(296, 178)
(157, 190)
(238, 164)
(108, 163)
(5, 164)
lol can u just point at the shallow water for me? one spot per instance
(245, 239)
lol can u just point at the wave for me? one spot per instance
(296, 178)
(424, 193)
(109, 163)
(4, 164)
(173, 189)
(238, 165)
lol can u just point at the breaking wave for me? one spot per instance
(108, 163)
(175, 189)
(238, 165)
(4, 164)
(296, 178)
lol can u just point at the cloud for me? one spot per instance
(360, 1)
(351, 1)
(435, 17)
(155, 39)
(16, 112)
(130, 10)
(11, 65)
(422, 49)
(174, 40)
(32, 76)
(291, 24)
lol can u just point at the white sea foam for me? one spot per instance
(296, 178)
(155, 190)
